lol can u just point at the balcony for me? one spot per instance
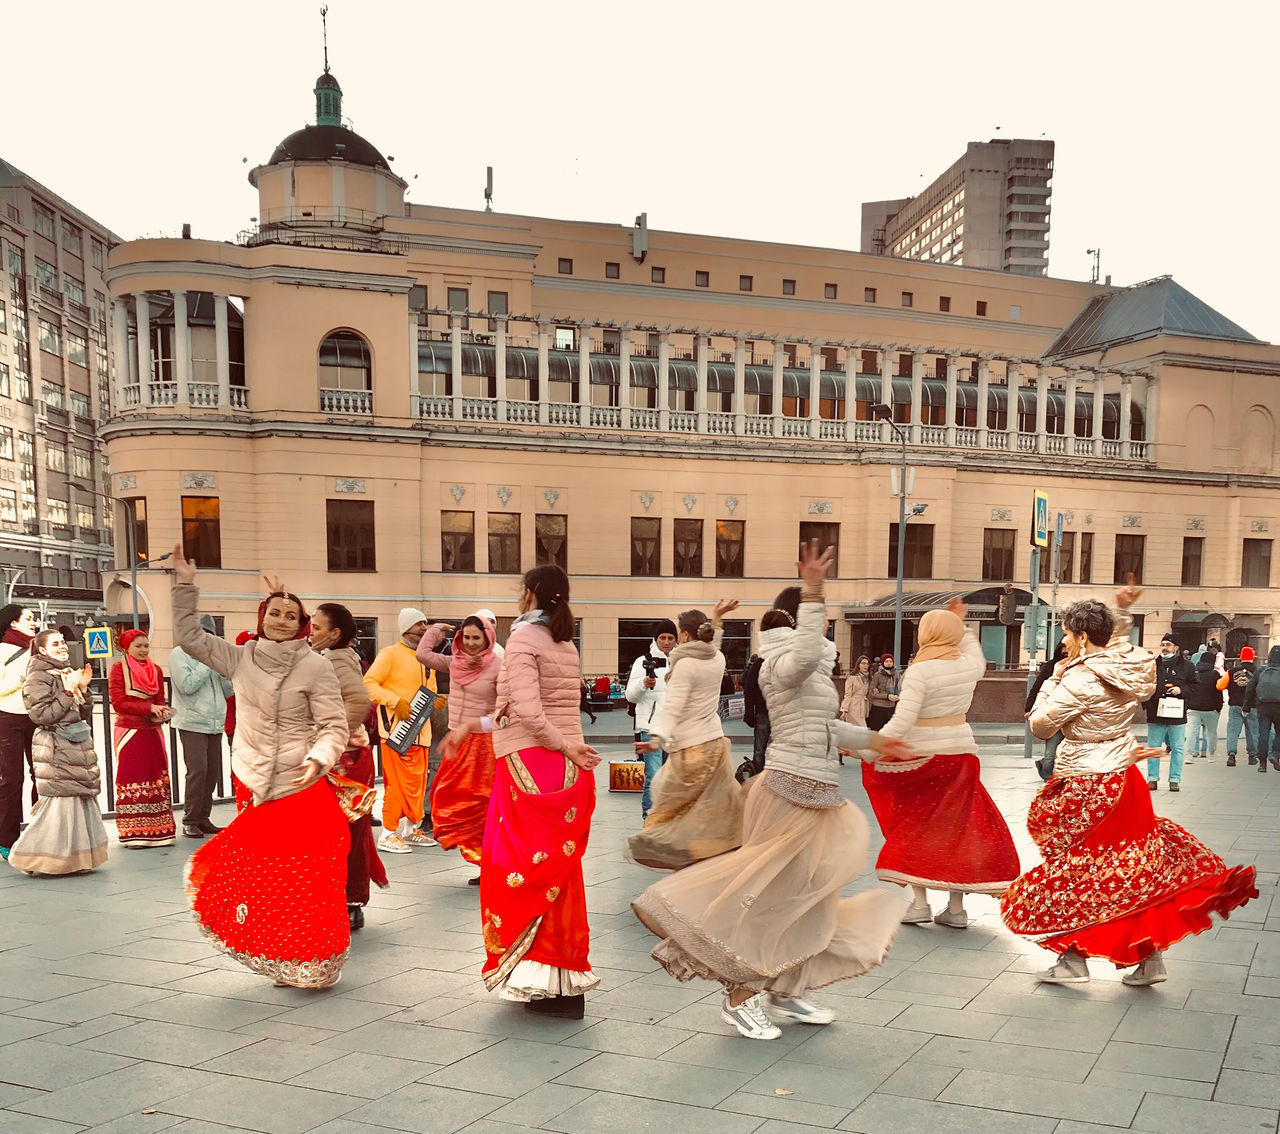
(346, 401)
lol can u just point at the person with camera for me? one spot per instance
(647, 691)
(1167, 712)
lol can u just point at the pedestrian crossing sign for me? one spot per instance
(97, 642)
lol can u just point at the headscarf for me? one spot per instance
(466, 668)
(885, 658)
(142, 677)
(940, 635)
(304, 619)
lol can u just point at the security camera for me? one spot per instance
(918, 509)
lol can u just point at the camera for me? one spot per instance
(652, 664)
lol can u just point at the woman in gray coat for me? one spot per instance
(66, 834)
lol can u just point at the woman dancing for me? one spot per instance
(1116, 881)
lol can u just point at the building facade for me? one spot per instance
(393, 404)
(989, 210)
(55, 365)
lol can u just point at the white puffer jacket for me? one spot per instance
(938, 688)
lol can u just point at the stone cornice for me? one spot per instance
(141, 271)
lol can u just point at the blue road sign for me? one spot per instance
(1040, 519)
(97, 642)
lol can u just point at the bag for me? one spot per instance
(1171, 708)
(78, 732)
(1268, 691)
(355, 799)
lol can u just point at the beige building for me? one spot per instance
(989, 210)
(54, 386)
(390, 403)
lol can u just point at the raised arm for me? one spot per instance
(47, 702)
(426, 651)
(218, 655)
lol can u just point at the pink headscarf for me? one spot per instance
(466, 667)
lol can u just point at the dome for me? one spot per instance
(328, 143)
(327, 80)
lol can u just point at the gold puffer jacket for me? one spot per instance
(1093, 703)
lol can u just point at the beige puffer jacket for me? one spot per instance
(355, 698)
(539, 691)
(1093, 704)
(63, 767)
(288, 702)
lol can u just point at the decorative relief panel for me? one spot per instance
(1131, 521)
(198, 480)
(504, 494)
(128, 483)
(349, 484)
(819, 507)
(690, 501)
(731, 502)
(457, 491)
(551, 496)
(1195, 523)
(1001, 515)
(646, 499)
(1258, 526)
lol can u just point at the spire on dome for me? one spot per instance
(328, 93)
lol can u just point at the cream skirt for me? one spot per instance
(65, 835)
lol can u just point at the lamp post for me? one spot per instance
(884, 413)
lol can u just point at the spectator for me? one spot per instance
(883, 695)
(1045, 764)
(492, 620)
(647, 692)
(200, 716)
(17, 730)
(144, 805)
(1263, 694)
(1238, 717)
(755, 713)
(1204, 703)
(1167, 712)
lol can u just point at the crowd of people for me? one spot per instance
(754, 858)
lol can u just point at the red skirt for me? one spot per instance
(363, 863)
(1117, 881)
(144, 803)
(941, 828)
(460, 796)
(270, 889)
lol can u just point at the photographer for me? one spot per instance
(647, 691)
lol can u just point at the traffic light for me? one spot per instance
(1007, 610)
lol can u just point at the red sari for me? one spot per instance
(532, 895)
(144, 800)
(460, 796)
(363, 862)
(941, 828)
(270, 889)
(1117, 881)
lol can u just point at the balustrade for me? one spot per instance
(645, 419)
(436, 407)
(1055, 443)
(1111, 449)
(684, 421)
(132, 395)
(479, 409)
(997, 440)
(346, 401)
(164, 393)
(720, 424)
(757, 425)
(795, 427)
(1026, 442)
(239, 397)
(966, 437)
(933, 435)
(606, 417)
(560, 413)
(522, 413)
(831, 430)
(203, 395)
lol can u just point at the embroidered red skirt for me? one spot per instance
(941, 828)
(144, 804)
(532, 895)
(270, 889)
(1117, 881)
(460, 796)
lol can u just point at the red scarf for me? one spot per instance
(141, 679)
(15, 637)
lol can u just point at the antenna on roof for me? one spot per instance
(488, 188)
(324, 31)
(1096, 271)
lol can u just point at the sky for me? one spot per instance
(751, 118)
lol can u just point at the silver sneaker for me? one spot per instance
(954, 920)
(1151, 971)
(1070, 968)
(917, 914)
(750, 1018)
(798, 1009)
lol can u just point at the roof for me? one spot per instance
(1157, 307)
(916, 604)
(328, 143)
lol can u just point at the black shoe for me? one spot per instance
(561, 1007)
(1173, 785)
(209, 827)
(1252, 760)
(1275, 763)
(1154, 785)
(1262, 765)
(192, 832)
(474, 881)
(355, 915)
(374, 821)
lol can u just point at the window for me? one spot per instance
(99, 253)
(908, 298)
(1192, 560)
(788, 287)
(43, 219)
(6, 442)
(5, 391)
(81, 464)
(80, 405)
(46, 274)
(1086, 557)
(827, 535)
(4, 319)
(136, 509)
(997, 554)
(745, 283)
(74, 289)
(1066, 556)
(84, 516)
(646, 539)
(658, 275)
(497, 306)
(457, 541)
(17, 261)
(1128, 559)
(917, 561)
(612, 271)
(1255, 567)
(56, 511)
(730, 538)
(345, 362)
(77, 349)
(551, 540)
(72, 238)
(202, 531)
(459, 299)
(504, 543)
(8, 505)
(1015, 313)
(55, 456)
(26, 447)
(702, 279)
(99, 307)
(566, 338)
(565, 266)
(688, 549)
(982, 307)
(349, 534)
(868, 295)
(944, 303)
(50, 337)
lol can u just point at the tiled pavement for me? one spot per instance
(115, 1016)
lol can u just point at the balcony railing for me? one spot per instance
(606, 417)
(346, 401)
(239, 397)
(559, 413)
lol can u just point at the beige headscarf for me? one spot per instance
(941, 633)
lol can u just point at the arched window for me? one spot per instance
(346, 374)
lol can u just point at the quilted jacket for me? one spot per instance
(63, 767)
(939, 688)
(539, 688)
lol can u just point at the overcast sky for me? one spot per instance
(755, 119)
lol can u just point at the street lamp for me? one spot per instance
(884, 413)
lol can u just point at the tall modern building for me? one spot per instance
(989, 210)
(55, 367)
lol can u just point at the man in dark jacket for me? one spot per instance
(1204, 706)
(755, 716)
(1174, 676)
(1238, 717)
(1045, 764)
(1263, 696)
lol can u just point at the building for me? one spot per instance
(989, 210)
(395, 404)
(55, 363)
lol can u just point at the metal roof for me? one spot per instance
(1157, 307)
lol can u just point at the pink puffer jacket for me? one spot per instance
(539, 690)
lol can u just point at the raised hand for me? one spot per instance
(958, 607)
(723, 607)
(275, 585)
(814, 564)
(1127, 595)
(183, 568)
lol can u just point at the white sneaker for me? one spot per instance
(954, 920)
(1070, 968)
(391, 843)
(750, 1018)
(798, 1009)
(917, 914)
(1151, 971)
(417, 838)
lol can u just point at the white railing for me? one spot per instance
(720, 424)
(239, 397)
(795, 427)
(867, 431)
(606, 417)
(644, 418)
(1138, 450)
(1083, 446)
(164, 393)
(133, 395)
(1111, 449)
(522, 413)
(966, 437)
(831, 430)
(203, 394)
(346, 401)
(1026, 442)
(684, 421)
(997, 440)
(560, 413)
(479, 409)
(1055, 443)
(933, 435)
(757, 425)
(434, 407)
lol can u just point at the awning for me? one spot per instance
(916, 604)
(1198, 619)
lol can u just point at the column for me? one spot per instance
(222, 350)
(779, 357)
(455, 365)
(624, 377)
(1099, 392)
(1070, 411)
(1126, 414)
(500, 367)
(953, 376)
(1042, 408)
(662, 398)
(815, 389)
(120, 372)
(984, 394)
(740, 386)
(544, 372)
(704, 348)
(1150, 405)
(852, 357)
(144, 349)
(1013, 380)
(886, 389)
(584, 374)
(181, 348)
(917, 390)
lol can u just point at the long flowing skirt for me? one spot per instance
(460, 797)
(65, 835)
(532, 895)
(144, 800)
(697, 809)
(1117, 881)
(770, 914)
(270, 889)
(363, 862)
(941, 828)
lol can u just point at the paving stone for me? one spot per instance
(90, 1029)
(266, 1108)
(817, 1083)
(655, 1079)
(130, 1091)
(951, 1022)
(918, 1081)
(1163, 1114)
(729, 1051)
(1150, 1059)
(1160, 1084)
(409, 1041)
(1243, 1055)
(204, 1011)
(981, 963)
(1109, 1105)
(1201, 1031)
(1070, 1035)
(123, 970)
(1033, 1062)
(536, 1107)
(603, 1111)
(894, 1114)
(423, 1109)
(361, 1074)
(624, 1037)
(1248, 1088)
(160, 1042)
(291, 1033)
(275, 1061)
(34, 1063)
(77, 1007)
(500, 1018)
(334, 1012)
(510, 1067)
(14, 1029)
(11, 1122)
(784, 1109)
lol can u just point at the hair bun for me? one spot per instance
(706, 632)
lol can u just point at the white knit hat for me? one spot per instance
(488, 616)
(410, 616)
